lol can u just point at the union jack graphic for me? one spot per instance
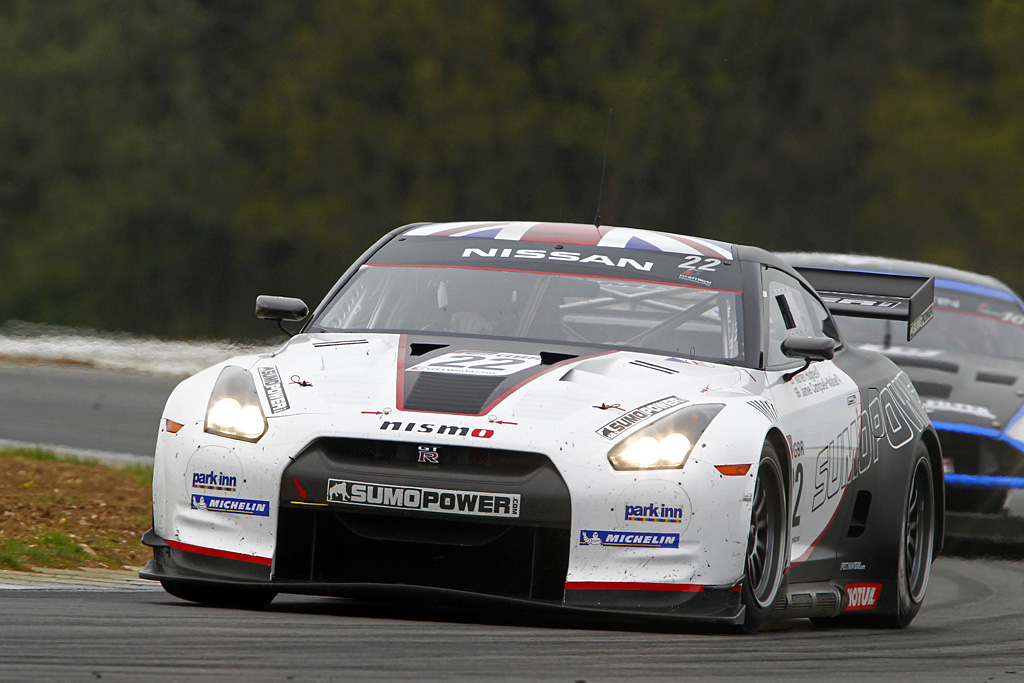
(577, 233)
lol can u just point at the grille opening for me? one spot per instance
(971, 454)
(330, 546)
(859, 519)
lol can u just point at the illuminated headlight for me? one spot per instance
(234, 409)
(667, 443)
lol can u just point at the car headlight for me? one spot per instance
(667, 443)
(234, 409)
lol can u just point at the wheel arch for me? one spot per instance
(781, 445)
(931, 441)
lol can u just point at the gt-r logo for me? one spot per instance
(428, 454)
(863, 595)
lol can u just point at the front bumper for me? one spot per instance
(329, 545)
(985, 489)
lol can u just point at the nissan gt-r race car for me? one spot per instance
(968, 367)
(600, 418)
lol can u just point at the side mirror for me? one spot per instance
(281, 308)
(809, 349)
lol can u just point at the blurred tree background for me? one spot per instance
(165, 161)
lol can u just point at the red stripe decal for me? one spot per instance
(226, 554)
(400, 400)
(400, 367)
(551, 272)
(617, 586)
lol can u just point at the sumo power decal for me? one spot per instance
(422, 499)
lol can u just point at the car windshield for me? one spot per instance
(695, 322)
(964, 321)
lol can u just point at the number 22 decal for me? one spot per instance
(708, 264)
(478, 363)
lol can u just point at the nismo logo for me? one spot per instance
(559, 255)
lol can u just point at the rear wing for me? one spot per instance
(861, 294)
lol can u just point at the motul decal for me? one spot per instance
(863, 595)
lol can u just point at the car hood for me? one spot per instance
(503, 381)
(963, 388)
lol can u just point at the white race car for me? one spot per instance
(596, 417)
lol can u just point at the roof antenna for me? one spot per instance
(604, 165)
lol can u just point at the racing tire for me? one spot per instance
(916, 544)
(220, 596)
(768, 543)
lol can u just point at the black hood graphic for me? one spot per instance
(466, 376)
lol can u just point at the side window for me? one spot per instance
(792, 312)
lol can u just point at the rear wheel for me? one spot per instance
(767, 543)
(917, 543)
(222, 596)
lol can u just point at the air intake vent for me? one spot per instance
(801, 601)
(827, 601)
(995, 378)
(450, 393)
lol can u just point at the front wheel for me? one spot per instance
(767, 544)
(222, 596)
(917, 543)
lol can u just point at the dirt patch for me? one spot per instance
(56, 513)
(33, 360)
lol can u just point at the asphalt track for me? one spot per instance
(970, 629)
(81, 408)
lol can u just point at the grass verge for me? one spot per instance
(67, 513)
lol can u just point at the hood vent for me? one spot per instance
(451, 393)
(995, 378)
(420, 348)
(933, 389)
(930, 363)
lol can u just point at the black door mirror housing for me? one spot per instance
(281, 308)
(810, 349)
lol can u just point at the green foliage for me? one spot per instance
(948, 154)
(142, 474)
(52, 549)
(169, 160)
